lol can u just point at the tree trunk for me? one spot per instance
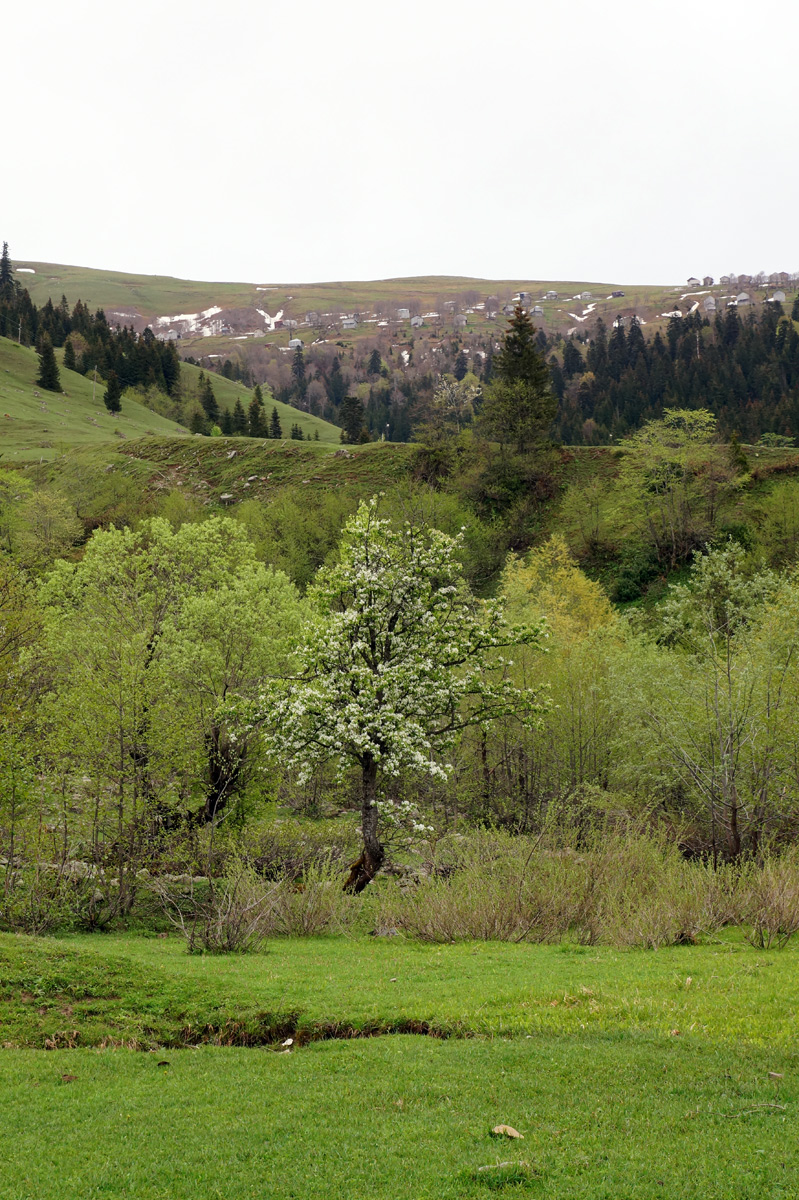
(225, 767)
(371, 859)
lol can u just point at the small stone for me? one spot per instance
(506, 1131)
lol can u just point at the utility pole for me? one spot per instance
(19, 335)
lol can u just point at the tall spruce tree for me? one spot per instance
(351, 417)
(48, 377)
(256, 416)
(336, 383)
(209, 402)
(239, 419)
(6, 272)
(69, 356)
(275, 429)
(298, 371)
(519, 405)
(112, 398)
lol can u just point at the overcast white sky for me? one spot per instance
(627, 141)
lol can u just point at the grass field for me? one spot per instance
(629, 1074)
(40, 425)
(45, 425)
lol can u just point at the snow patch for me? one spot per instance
(25, 271)
(693, 307)
(210, 312)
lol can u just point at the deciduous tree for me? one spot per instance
(395, 664)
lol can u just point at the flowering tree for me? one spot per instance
(394, 665)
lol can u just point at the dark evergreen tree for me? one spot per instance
(112, 397)
(69, 355)
(336, 384)
(296, 432)
(298, 371)
(375, 362)
(226, 422)
(520, 404)
(239, 419)
(6, 272)
(795, 308)
(209, 402)
(198, 422)
(461, 366)
(275, 429)
(48, 377)
(572, 359)
(351, 417)
(256, 416)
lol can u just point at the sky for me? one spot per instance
(629, 142)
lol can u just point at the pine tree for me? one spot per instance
(336, 384)
(226, 422)
(351, 417)
(112, 397)
(6, 272)
(208, 401)
(275, 430)
(795, 309)
(239, 419)
(256, 416)
(296, 432)
(298, 371)
(572, 359)
(520, 404)
(48, 378)
(461, 366)
(375, 362)
(69, 356)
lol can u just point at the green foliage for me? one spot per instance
(351, 417)
(112, 397)
(519, 405)
(48, 376)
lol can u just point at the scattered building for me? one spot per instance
(403, 314)
(616, 295)
(694, 282)
(537, 310)
(417, 322)
(707, 281)
(779, 296)
(550, 295)
(585, 296)
(295, 344)
(349, 323)
(743, 298)
(460, 322)
(709, 303)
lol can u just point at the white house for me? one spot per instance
(403, 314)
(417, 322)
(295, 344)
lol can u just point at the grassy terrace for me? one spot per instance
(629, 1074)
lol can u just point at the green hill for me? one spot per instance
(227, 393)
(41, 425)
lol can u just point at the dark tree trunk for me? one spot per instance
(371, 859)
(225, 768)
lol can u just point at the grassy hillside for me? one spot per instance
(227, 393)
(41, 425)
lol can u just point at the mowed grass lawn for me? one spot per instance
(629, 1074)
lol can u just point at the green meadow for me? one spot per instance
(37, 424)
(627, 1073)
